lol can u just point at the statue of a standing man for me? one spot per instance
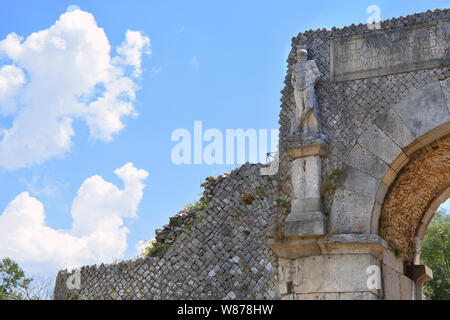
(304, 76)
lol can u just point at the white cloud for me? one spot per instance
(131, 50)
(72, 7)
(43, 185)
(61, 74)
(97, 235)
(11, 80)
(194, 62)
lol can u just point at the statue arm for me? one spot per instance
(293, 75)
(315, 70)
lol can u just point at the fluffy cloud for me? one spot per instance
(97, 235)
(132, 49)
(61, 74)
(11, 80)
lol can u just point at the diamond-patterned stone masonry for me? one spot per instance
(214, 253)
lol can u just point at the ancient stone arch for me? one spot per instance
(342, 211)
(418, 189)
(413, 139)
(384, 104)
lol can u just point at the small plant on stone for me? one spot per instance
(147, 248)
(384, 223)
(397, 252)
(331, 182)
(260, 192)
(247, 198)
(196, 205)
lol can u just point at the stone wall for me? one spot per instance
(215, 251)
(397, 286)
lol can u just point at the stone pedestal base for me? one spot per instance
(345, 266)
(306, 218)
(336, 267)
(305, 224)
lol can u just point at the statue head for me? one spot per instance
(302, 54)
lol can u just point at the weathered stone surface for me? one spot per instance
(407, 287)
(394, 127)
(375, 220)
(330, 244)
(295, 248)
(305, 205)
(362, 159)
(359, 182)
(389, 51)
(353, 238)
(423, 109)
(306, 217)
(306, 178)
(445, 85)
(378, 143)
(317, 296)
(391, 282)
(307, 223)
(390, 260)
(350, 212)
(358, 296)
(295, 152)
(325, 273)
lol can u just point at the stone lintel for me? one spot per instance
(420, 273)
(332, 245)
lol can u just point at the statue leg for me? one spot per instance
(295, 122)
(309, 120)
(299, 108)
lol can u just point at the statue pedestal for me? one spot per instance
(305, 224)
(306, 218)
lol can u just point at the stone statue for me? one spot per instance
(305, 147)
(304, 76)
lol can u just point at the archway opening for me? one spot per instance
(435, 253)
(419, 188)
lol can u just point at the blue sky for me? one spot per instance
(222, 62)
